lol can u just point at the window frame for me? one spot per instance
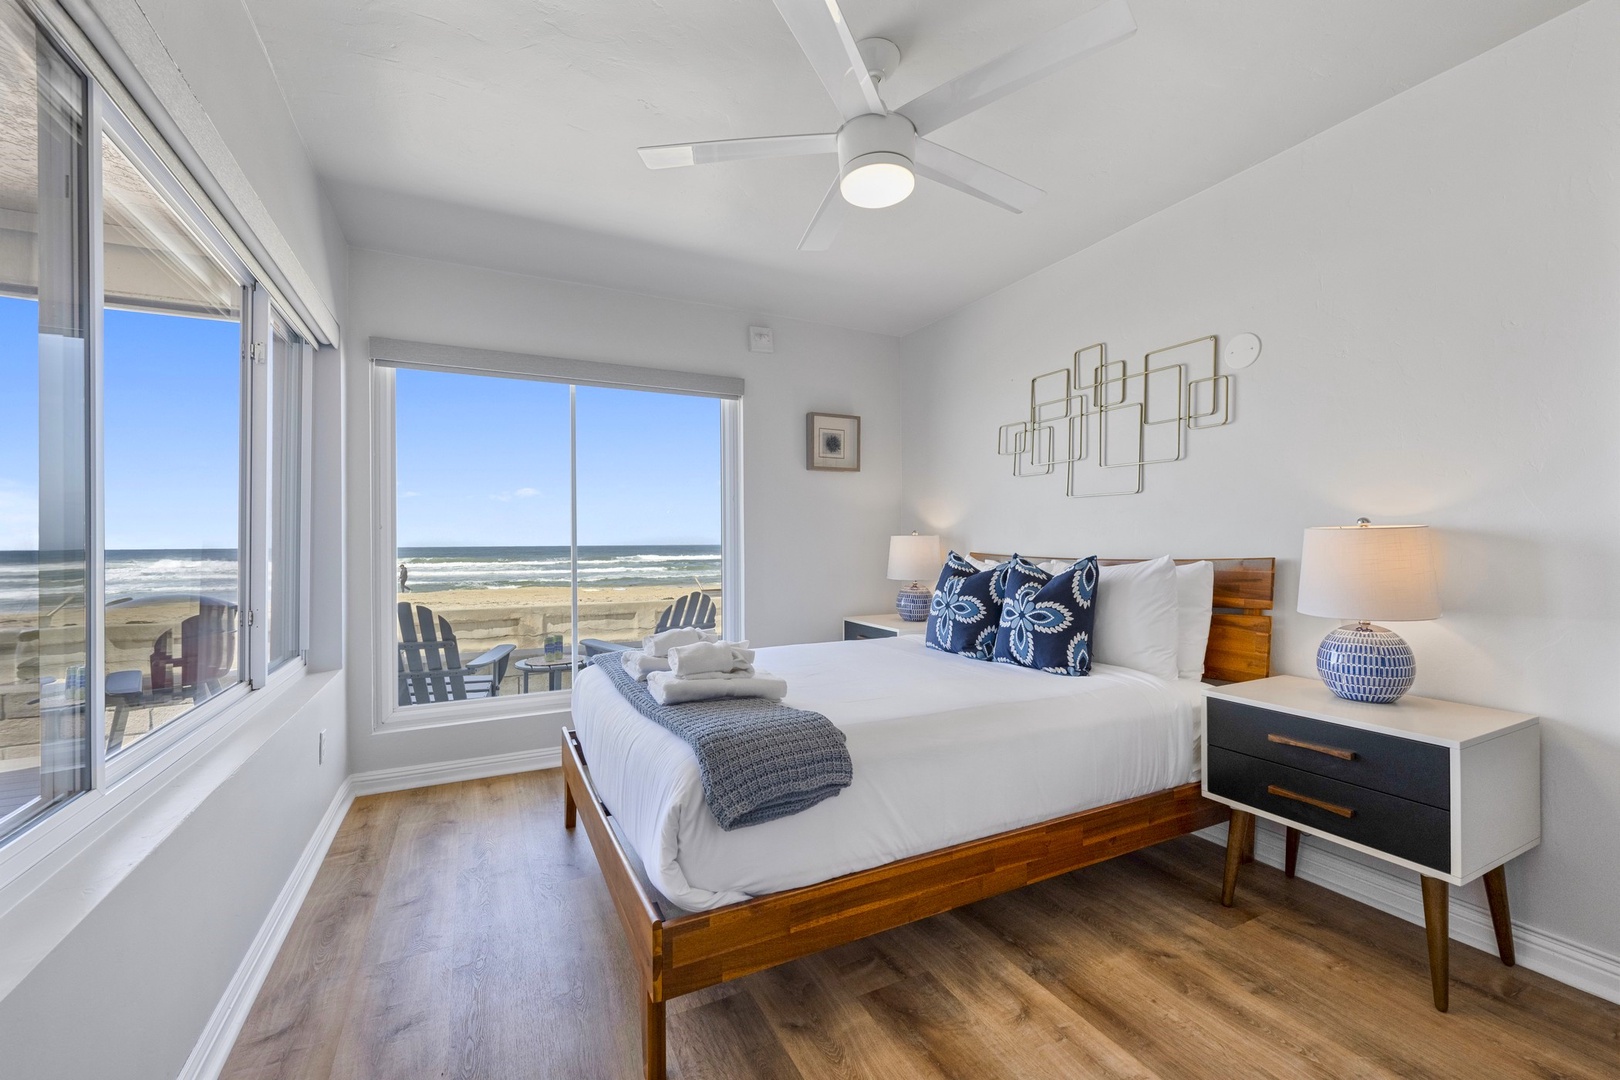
(114, 125)
(302, 353)
(172, 766)
(109, 779)
(86, 258)
(387, 355)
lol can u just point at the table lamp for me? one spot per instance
(1364, 572)
(913, 558)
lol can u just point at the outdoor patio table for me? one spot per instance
(534, 665)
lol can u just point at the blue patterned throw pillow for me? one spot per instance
(1047, 619)
(966, 608)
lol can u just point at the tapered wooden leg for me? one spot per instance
(1496, 893)
(569, 809)
(1291, 852)
(1248, 845)
(1239, 834)
(652, 1037)
(1437, 919)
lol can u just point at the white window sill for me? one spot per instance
(453, 713)
(55, 872)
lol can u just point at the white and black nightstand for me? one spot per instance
(860, 627)
(1451, 791)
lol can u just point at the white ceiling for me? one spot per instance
(503, 132)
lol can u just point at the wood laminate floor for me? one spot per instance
(459, 931)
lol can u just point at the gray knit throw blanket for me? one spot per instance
(760, 760)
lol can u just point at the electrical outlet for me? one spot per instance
(320, 755)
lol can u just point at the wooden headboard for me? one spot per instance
(1239, 631)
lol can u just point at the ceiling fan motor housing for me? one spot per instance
(871, 139)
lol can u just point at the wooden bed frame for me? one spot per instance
(690, 951)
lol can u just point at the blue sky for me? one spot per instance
(482, 461)
(172, 421)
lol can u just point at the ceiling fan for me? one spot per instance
(881, 152)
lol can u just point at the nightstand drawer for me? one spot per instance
(854, 631)
(1408, 768)
(1407, 830)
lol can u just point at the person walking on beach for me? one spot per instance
(404, 576)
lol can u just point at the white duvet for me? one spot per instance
(945, 750)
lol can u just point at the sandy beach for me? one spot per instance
(526, 616)
(482, 618)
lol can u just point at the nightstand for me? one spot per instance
(860, 627)
(1450, 791)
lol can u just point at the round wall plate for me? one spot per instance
(1241, 351)
(882, 57)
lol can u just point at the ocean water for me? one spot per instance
(214, 572)
(134, 574)
(600, 566)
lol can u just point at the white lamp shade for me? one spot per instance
(1376, 573)
(913, 558)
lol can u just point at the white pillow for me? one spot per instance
(1137, 622)
(1195, 604)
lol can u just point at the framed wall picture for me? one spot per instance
(835, 442)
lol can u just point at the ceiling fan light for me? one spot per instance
(873, 181)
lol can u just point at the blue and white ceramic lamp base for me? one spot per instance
(1363, 662)
(912, 602)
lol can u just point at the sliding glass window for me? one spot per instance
(153, 446)
(172, 436)
(44, 426)
(289, 469)
(501, 585)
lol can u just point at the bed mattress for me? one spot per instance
(945, 750)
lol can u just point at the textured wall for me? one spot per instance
(1438, 285)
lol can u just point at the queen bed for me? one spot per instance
(970, 779)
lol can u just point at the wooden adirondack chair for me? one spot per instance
(430, 666)
(695, 609)
(207, 652)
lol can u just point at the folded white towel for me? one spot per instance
(666, 689)
(660, 644)
(640, 665)
(705, 656)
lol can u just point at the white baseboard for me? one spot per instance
(452, 772)
(1397, 893)
(219, 1035)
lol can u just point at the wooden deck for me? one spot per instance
(460, 931)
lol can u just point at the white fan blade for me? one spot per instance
(1096, 29)
(974, 177)
(824, 226)
(825, 38)
(675, 155)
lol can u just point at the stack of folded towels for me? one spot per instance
(695, 665)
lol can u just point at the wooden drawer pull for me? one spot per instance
(1332, 808)
(1330, 751)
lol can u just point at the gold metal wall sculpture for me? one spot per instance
(1104, 424)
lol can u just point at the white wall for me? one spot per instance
(125, 995)
(1437, 283)
(815, 543)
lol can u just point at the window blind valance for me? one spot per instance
(391, 352)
